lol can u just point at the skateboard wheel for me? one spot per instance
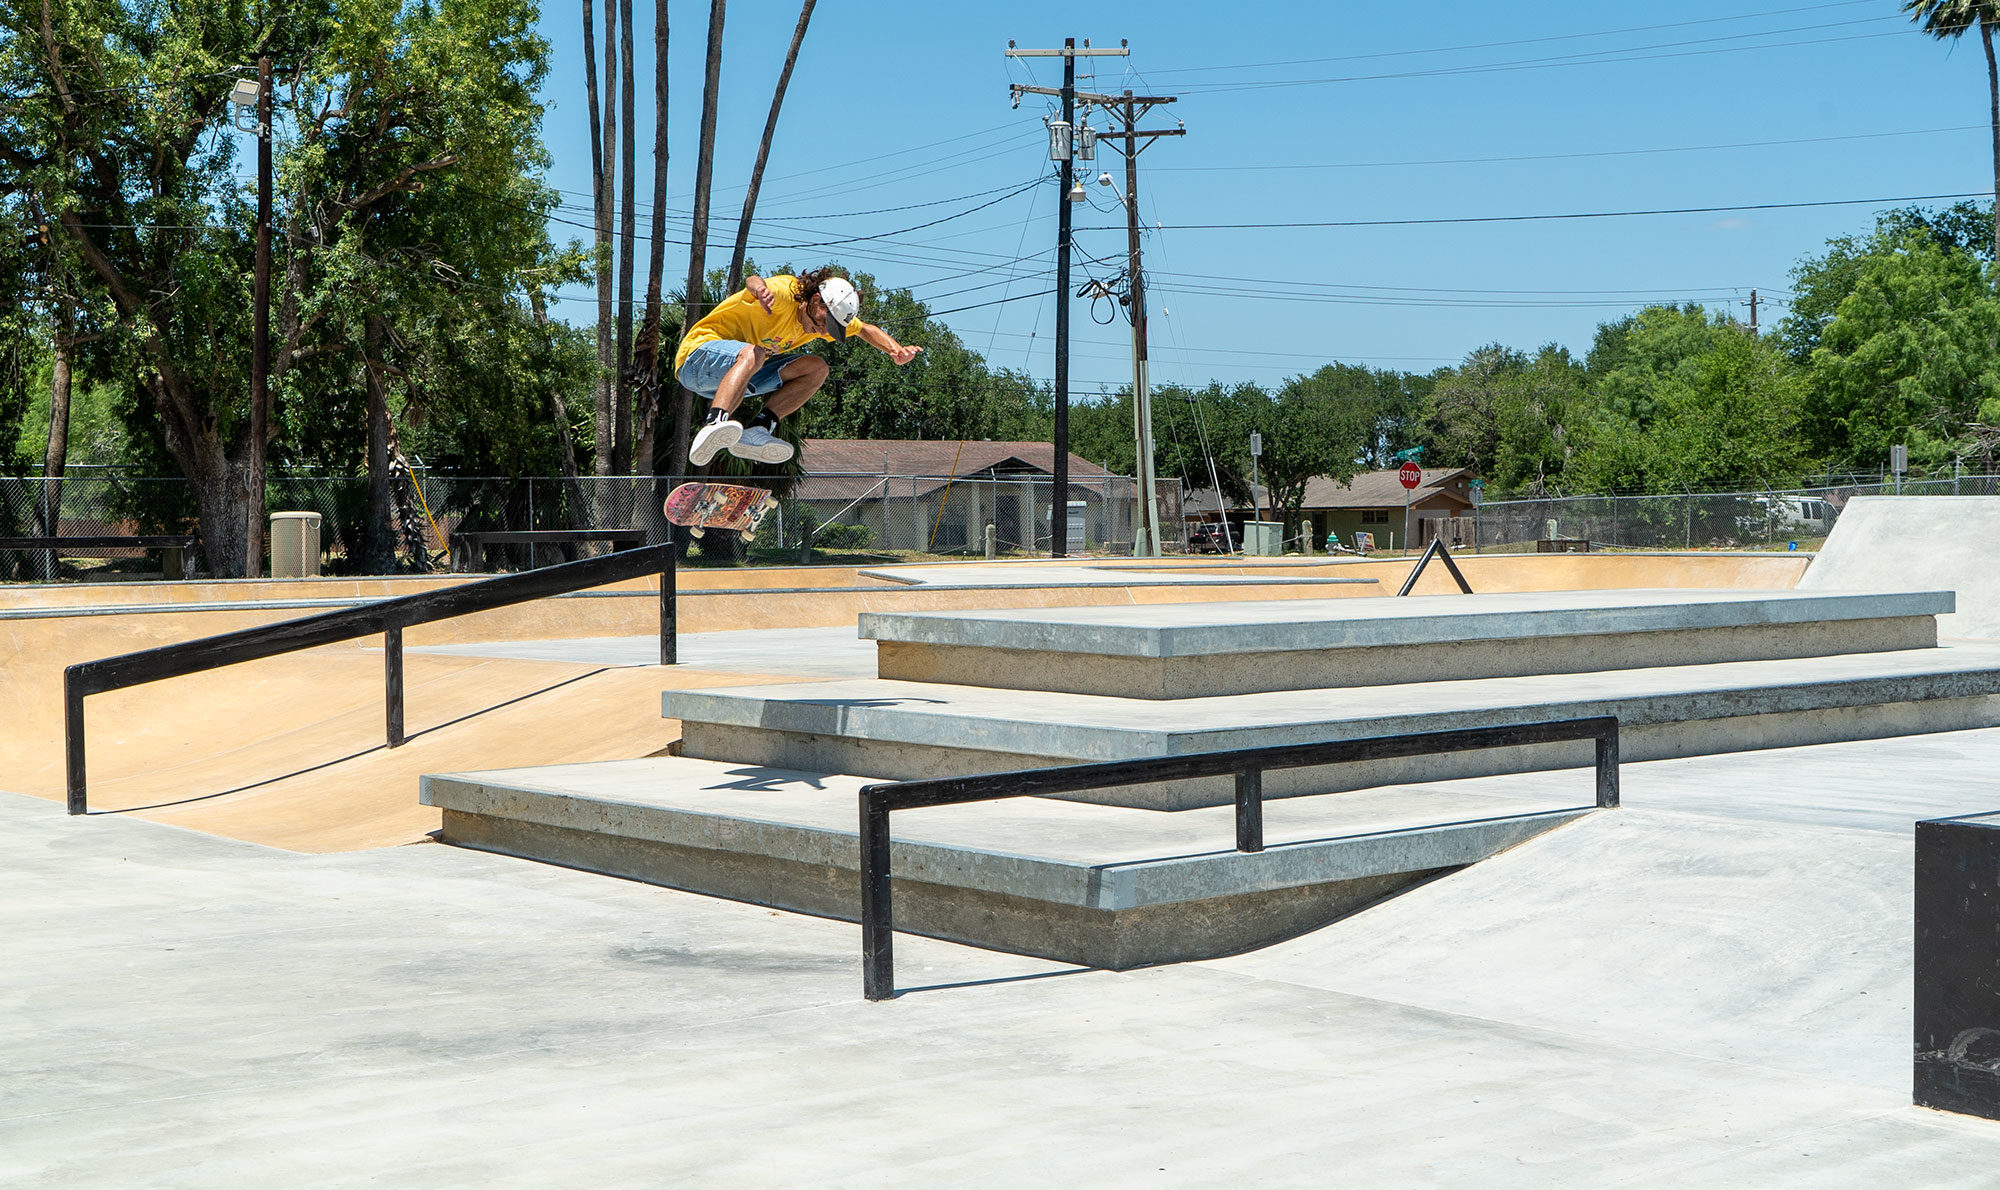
(696, 532)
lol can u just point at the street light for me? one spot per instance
(250, 102)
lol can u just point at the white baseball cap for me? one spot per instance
(842, 304)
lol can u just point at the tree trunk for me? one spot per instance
(602, 129)
(704, 171)
(378, 536)
(764, 149)
(1993, 96)
(49, 514)
(566, 446)
(647, 416)
(621, 433)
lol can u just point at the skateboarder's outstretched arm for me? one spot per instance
(882, 341)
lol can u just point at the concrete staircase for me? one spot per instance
(761, 805)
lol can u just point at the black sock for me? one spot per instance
(766, 420)
(716, 415)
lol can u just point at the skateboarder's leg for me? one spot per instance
(803, 377)
(785, 383)
(722, 370)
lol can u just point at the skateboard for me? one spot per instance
(704, 506)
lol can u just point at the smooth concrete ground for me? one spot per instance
(1919, 543)
(1707, 988)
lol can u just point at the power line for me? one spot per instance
(1592, 58)
(1763, 206)
(1759, 144)
(1489, 45)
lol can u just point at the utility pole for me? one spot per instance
(1130, 109)
(1753, 313)
(1061, 152)
(260, 330)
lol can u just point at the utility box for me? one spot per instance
(1264, 538)
(294, 545)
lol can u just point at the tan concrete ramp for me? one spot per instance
(1919, 543)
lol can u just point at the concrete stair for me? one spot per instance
(761, 804)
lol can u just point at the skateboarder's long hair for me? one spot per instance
(806, 285)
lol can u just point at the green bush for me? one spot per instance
(837, 536)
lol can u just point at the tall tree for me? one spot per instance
(704, 172)
(621, 430)
(603, 151)
(1950, 19)
(764, 148)
(646, 361)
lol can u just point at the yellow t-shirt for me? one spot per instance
(741, 319)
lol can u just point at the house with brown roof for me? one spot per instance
(940, 495)
(1373, 502)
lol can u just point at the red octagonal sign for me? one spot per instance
(1411, 475)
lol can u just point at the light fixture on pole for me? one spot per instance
(250, 104)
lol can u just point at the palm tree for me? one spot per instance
(621, 430)
(646, 351)
(704, 170)
(601, 238)
(1949, 19)
(764, 148)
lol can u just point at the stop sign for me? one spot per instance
(1411, 475)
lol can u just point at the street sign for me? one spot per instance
(1256, 444)
(1411, 475)
(1478, 492)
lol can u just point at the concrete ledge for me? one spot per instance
(906, 730)
(1211, 675)
(666, 822)
(1304, 625)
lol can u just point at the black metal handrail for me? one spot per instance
(1435, 550)
(878, 969)
(388, 617)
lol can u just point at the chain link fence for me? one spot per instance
(1689, 520)
(890, 514)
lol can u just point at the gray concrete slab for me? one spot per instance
(1202, 630)
(1933, 543)
(1092, 727)
(1199, 651)
(177, 1010)
(1034, 849)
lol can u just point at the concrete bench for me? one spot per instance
(1562, 545)
(173, 547)
(468, 550)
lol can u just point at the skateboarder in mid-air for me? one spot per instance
(750, 344)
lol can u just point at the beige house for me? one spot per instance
(940, 495)
(1373, 502)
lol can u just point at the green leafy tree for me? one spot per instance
(1319, 424)
(1908, 356)
(406, 205)
(1690, 401)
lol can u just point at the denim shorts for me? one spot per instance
(706, 365)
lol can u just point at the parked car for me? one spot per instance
(1806, 515)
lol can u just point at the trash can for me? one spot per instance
(294, 545)
(1264, 538)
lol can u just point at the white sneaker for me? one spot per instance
(712, 438)
(761, 445)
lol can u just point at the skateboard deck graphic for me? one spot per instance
(704, 506)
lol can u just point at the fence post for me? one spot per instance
(1250, 810)
(1607, 768)
(79, 801)
(670, 644)
(878, 958)
(392, 675)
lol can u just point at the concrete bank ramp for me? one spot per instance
(1752, 908)
(1919, 543)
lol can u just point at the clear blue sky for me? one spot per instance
(1312, 112)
